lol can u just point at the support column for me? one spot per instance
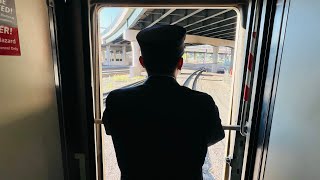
(215, 50)
(124, 51)
(108, 55)
(135, 69)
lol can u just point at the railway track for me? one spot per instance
(197, 74)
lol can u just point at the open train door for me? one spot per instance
(244, 10)
(78, 69)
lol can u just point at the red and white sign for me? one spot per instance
(9, 37)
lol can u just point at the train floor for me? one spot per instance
(216, 85)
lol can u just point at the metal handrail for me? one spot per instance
(227, 127)
(232, 127)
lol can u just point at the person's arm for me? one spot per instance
(215, 132)
(107, 118)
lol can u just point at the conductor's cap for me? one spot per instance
(162, 41)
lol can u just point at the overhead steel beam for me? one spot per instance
(215, 28)
(161, 17)
(219, 35)
(212, 16)
(212, 23)
(144, 21)
(173, 14)
(159, 13)
(187, 16)
(197, 16)
(218, 31)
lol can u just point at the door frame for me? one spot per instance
(70, 41)
(241, 6)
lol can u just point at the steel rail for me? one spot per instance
(195, 81)
(187, 81)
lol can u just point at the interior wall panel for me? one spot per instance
(294, 140)
(29, 127)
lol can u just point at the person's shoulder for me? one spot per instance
(196, 95)
(126, 91)
(191, 92)
(122, 95)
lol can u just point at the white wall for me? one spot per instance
(29, 133)
(295, 135)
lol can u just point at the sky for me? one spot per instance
(107, 15)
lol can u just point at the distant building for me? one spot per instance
(116, 55)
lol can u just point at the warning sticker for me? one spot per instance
(9, 37)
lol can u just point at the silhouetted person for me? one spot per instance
(161, 130)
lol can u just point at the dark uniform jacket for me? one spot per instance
(161, 130)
